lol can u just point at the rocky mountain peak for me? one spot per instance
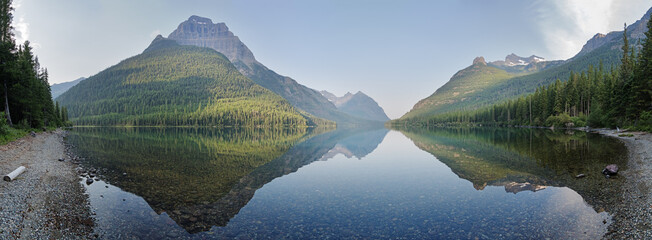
(512, 60)
(200, 20)
(479, 60)
(202, 32)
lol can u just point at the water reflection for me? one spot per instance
(528, 159)
(293, 184)
(202, 177)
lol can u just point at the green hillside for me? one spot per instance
(474, 93)
(480, 85)
(175, 85)
(463, 89)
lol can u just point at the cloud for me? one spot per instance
(567, 25)
(21, 30)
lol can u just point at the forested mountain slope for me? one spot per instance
(461, 90)
(170, 84)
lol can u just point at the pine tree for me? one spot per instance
(7, 46)
(644, 70)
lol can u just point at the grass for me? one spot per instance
(11, 135)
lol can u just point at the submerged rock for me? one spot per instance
(611, 169)
(89, 181)
(581, 175)
(515, 187)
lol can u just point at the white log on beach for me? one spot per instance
(14, 174)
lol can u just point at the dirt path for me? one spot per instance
(633, 219)
(47, 201)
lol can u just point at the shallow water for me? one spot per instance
(355, 183)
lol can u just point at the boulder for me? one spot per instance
(611, 169)
(89, 181)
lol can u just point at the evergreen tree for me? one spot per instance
(644, 71)
(7, 47)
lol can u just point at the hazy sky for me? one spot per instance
(397, 52)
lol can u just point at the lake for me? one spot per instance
(372, 183)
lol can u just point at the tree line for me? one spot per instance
(26, 98)
(620, 97)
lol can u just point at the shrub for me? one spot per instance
(559, 121)
(4, 127)
(645, 121)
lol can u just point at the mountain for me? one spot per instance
(466, 83)
(515, 60)
(614, 39)
(358, 105)
(202, 32)
(169, 84)
(516, 64)
(468, 89)
(60, 88)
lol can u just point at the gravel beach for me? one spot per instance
(47, 201)
(633, 217)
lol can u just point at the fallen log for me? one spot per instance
(14, 174)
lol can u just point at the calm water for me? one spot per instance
(211, 183)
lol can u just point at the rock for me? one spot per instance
(33, 134)
(479, 60)
(200, 31)
(581, 175)
(124, 174)
(61, 159)
(611, 169)
(89, 181)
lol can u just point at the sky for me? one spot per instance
(397, 52)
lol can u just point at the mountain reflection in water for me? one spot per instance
(202, 177)
(295, 183)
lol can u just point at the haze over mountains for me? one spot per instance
(358, 105)
(60, 88)
(202, 33)
(485, 83)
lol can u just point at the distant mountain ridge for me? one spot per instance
(486, 85)
(636, 31)
(358, 105)
(60, 88)
(202, 32)
(514, 60)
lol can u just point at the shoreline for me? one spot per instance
(633, 216)
(47, 201)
